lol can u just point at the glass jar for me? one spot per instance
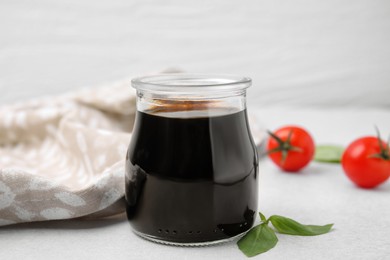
(192, 165)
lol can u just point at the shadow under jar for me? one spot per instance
(192, 165)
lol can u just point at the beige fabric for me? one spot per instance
(64, 157)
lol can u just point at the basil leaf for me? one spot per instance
(291, 227)
(328, 153)
(258, 240)
(262, 217)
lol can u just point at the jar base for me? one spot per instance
(188, 244)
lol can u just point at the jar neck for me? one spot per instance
(187, 105)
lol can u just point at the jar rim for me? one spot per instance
(191, 83)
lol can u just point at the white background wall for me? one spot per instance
(302, 52)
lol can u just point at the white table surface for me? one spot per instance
(320, 194)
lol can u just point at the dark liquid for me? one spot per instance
(191, 179)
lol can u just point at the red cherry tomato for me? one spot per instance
(291, 148)
(366, 162)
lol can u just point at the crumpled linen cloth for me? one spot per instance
(63, 157)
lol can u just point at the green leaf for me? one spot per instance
(258, 240)
(262, 217)
(329, 153)
(291, 227)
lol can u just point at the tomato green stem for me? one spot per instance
(284, 146)
(384, 150)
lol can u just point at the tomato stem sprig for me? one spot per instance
(384, 149)
(284, 146)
